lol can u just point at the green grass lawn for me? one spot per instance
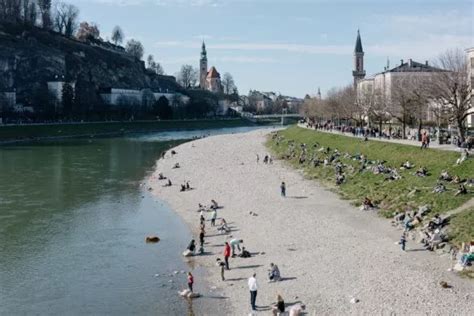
(461, 227)
(391, 196)
(20, 132)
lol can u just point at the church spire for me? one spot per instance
(358, 46)
(319, 93)
(203, 50)
(358, 73)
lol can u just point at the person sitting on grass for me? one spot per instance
(439, 188)
(461, 190)
(445, 176)
(435, 240)
(421, 172)
(340, 179)
(464, 157)
(436, 222)
(367, 204)
(274, 273)
(406, 165)
(456, 180)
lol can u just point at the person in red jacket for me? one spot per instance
(227, 255)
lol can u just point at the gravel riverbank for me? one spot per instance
(328, 251)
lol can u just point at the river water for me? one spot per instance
(73, 219)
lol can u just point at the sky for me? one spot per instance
(287, 46)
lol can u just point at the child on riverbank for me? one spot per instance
(221, 265)
(213, 217)
(403, 241)
(283, 189)
(190, 281)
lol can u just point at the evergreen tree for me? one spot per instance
(67, 100)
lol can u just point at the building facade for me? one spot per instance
(382, 86)
(132, 97)
(208, 79)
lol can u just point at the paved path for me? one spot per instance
(433, 144)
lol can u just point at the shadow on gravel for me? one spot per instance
(287, 279)
(236, 279)
(250, 266)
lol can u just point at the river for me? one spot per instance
(73, 220)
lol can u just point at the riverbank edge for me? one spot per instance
(13, 134)
(198, 268)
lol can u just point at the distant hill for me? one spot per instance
(30, 56)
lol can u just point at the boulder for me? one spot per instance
(152, 239)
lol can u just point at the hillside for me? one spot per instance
(31, 56)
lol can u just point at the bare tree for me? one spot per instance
(45, 11)
(10, 10)
(451, 90)
(88, 31)
(65, 18)
(187, 76)
(377, 109)
(154, 66)
(403, 100)
(117, 35)
(228, 83)
(135, 48)
(29, 12)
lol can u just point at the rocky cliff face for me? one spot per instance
(29, 57)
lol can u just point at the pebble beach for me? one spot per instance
(333, 257)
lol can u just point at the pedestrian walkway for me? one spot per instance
(433, 144)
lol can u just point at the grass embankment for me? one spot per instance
(462, 227)
(392, 196)
(37, 131)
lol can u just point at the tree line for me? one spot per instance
(63, 18)
(445, 93)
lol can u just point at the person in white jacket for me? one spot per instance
(253, 286)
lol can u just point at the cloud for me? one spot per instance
(194, 3)
(220, 59)
(203, 37)
(249, 46)
(180, 3)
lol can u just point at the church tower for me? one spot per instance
(203, 67)
(359, 72)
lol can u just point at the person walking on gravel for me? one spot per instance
(283, 189)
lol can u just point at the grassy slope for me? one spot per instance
(392, 195)
(462, 227)
(112, 128)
